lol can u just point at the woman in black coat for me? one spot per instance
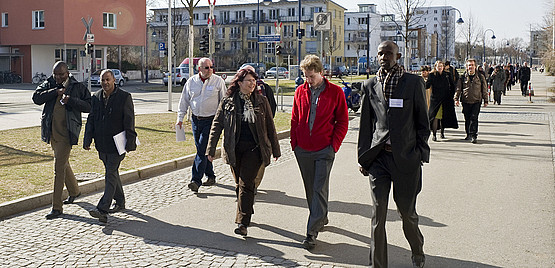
(442, 107)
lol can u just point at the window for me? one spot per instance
(225, 16)
(252, 32)
(195, 16)
(268, 29)
(4, 19)
(163, 18)
(274, 14)
(291, 12)
(109, 20)
(38, 19)
(240, 15)
(205, 16)
(70, 57)
(348, 21)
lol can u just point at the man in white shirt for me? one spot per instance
(202, 93)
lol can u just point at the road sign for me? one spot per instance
(162, 46)
(162, 53)
(90, 38)
(269, 38)
(322, 21)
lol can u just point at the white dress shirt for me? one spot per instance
(202, 98)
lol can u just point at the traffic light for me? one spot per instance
(89, 49)
(278, 50)
(205, 42)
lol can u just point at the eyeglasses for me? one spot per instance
(209, 67)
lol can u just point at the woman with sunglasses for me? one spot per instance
(249, 139)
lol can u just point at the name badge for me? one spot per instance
(209, 87)
(396, 103)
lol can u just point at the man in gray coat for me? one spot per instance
(392, 146)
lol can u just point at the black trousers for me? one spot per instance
(471, 112)
(113, 189)
(248, 162)
(523, 87)
(497, 96)
(406, 186)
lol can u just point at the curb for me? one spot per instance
(45, 198)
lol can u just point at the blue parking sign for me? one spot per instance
(162, 46)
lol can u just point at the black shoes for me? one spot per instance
(467, 138)
(210, 182)
(473, 140)
(309, 242)
(241, 230)
(101, 216)
(434, 138)
(54, 214)
(70, 199)
(442, 136)
(116, 208)
(418, 261)
(193, 186)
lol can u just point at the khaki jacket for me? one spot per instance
(472, 91)
(227, 120)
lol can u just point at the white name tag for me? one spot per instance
(209, 87)
(396, 103)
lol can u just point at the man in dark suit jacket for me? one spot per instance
(524, 77)
(112, 112)
(392, 145)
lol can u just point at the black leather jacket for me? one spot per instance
(79, 102)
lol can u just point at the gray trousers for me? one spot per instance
(383, 172)
(315, 169)
(113, 188)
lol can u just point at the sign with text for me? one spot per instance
(269, 38)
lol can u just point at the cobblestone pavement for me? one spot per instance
(77, 240)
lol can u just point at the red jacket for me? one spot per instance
(331, 122)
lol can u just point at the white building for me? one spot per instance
(356, 34)
(439, 22)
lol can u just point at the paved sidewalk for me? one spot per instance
(482, 205)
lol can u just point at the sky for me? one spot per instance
(507, 18)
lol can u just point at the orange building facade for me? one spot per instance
(35, 34)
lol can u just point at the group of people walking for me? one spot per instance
(395, 124)
(446, 87)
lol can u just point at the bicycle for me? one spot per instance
(39, 78)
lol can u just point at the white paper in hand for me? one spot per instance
(120, 140)
(179, 133)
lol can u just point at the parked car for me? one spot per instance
(180, 74)
(283, 73)
(353, 70)
(95, 78)
(339, 70)
(260, 68)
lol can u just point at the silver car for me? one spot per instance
(95, 78)
(282, 73)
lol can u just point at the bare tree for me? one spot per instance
(190, 6)
(472, 33)
(410, 19)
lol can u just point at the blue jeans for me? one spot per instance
(113, 189)
(201, 165)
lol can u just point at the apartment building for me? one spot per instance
(236, 32)
(36, 34)
(359, 25)
(439, 24)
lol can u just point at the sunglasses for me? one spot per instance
(208, 67)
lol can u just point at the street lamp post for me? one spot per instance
(147, 51)
(266, 2)
(459, 21)
(484, 43)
